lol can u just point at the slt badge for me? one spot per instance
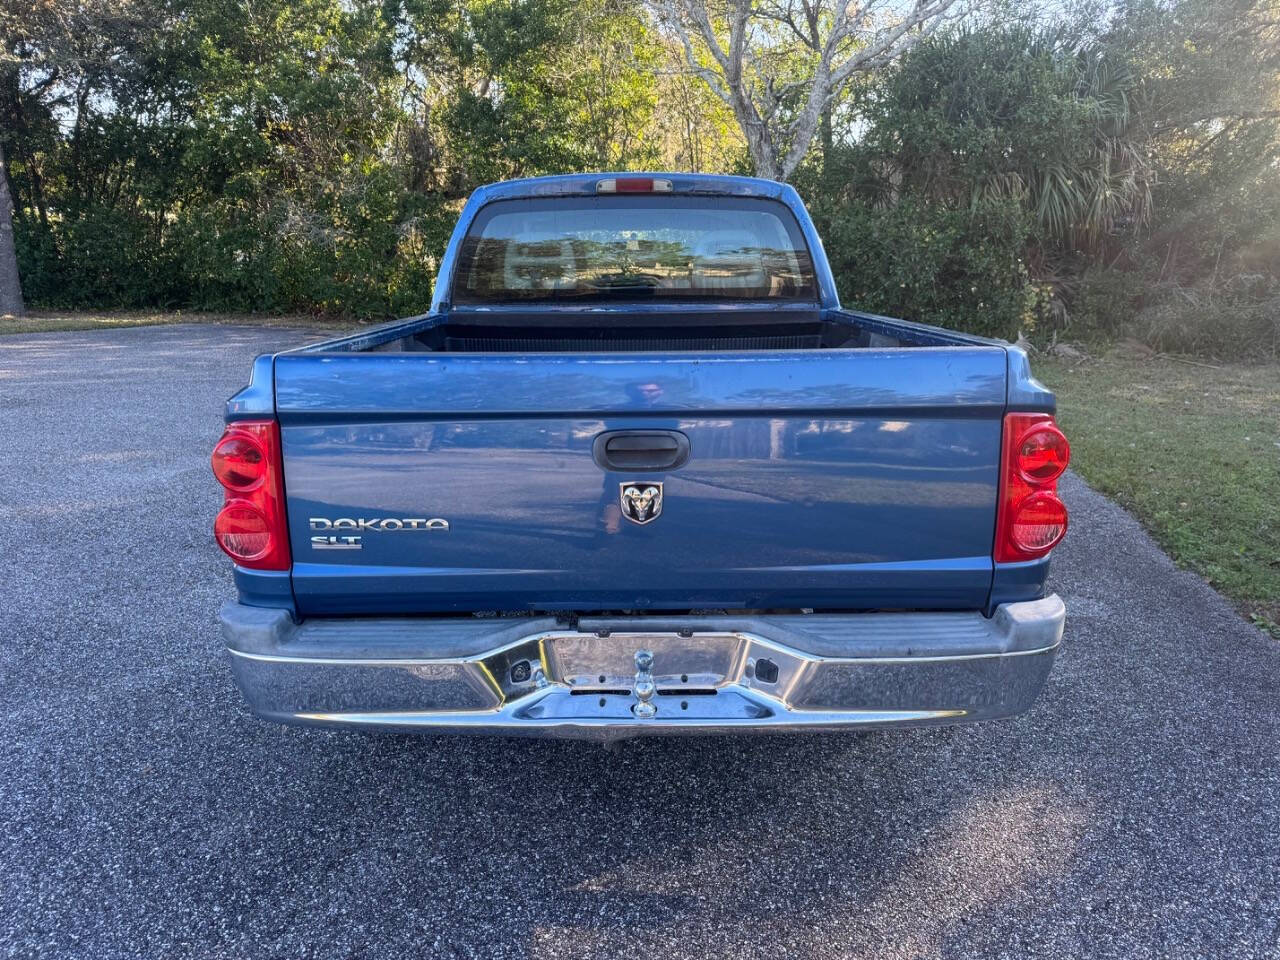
(352, 527)
(641, 500)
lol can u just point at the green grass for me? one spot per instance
(54, 322)
(1194, 452)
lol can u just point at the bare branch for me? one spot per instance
(670, 14)
(786, 17)
(746, 41)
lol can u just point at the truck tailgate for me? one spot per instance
(839, 479)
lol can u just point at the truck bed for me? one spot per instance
(628, 329)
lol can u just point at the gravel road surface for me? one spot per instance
(1135, 812)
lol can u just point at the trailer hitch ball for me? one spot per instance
(645, 708)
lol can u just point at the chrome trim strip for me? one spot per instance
(428, 719)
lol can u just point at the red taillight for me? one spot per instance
(1038, 523)
(242, 531)
(1030, 518)
(1043, 453)
(251, 526)
(239, 462)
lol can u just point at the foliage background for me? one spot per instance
(1093, 173)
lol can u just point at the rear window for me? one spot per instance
(633, 247)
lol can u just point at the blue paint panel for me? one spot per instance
(936, 381)
(1026, 393)
(822, 511)
(264, 588)
(1013, 582)
(257, 400)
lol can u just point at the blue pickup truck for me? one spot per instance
(637, 472)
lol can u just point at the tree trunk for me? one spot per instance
(11, 99)
(10, 286)
(763, 160)
(764, 155)
(828, 138)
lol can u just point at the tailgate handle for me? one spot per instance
(640, 450)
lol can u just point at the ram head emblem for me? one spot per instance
(641, 501)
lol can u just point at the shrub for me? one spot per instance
(1100, 304)
(957, 268)
(103, 257)
(1235, 324)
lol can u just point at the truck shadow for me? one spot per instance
(831, 836)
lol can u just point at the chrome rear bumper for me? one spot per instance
(611, 679)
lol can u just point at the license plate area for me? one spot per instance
(683, 677)
(693, 665)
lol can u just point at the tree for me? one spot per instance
(1209, 74)
(1014, 112)
(10, 285)
(47, 50)
(780, 64)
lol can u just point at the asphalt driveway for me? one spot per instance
(1134, 812)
